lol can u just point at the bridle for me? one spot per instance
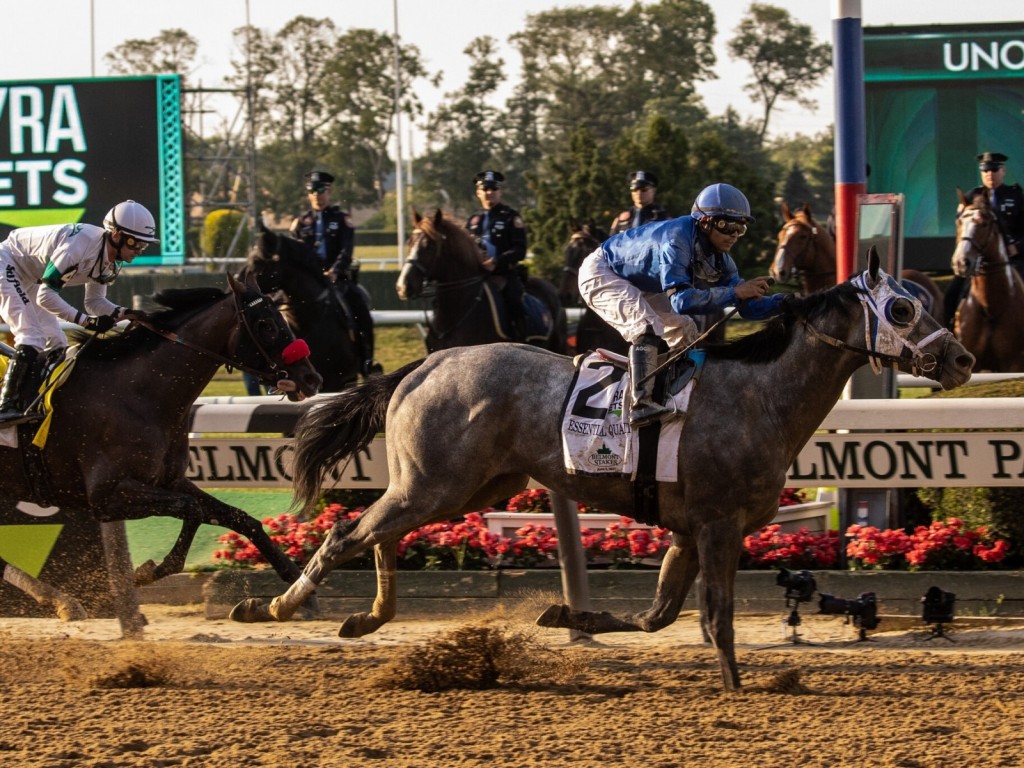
(978, 264)
(290, 353)
(443, 286)
(797, 224)
(921, 362)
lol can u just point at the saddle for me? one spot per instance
(597, 439)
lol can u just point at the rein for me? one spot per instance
(446, 286)
(265, 375)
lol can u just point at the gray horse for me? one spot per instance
(467, 427)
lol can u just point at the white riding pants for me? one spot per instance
(30, 324)
(629, 310)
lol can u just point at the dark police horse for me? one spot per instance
(591, 332)
(443, 417)
(468, 308)
(117, 445)
(288, 269)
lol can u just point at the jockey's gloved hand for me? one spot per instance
(100, 323)
(134, 315)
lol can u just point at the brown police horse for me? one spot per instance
(468, 308)
(807, 252)
(117, 447)
(990, 319)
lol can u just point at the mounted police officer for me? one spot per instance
(643, 186)
(1007, 202)
(501, 235)
(650, 281)
(329, 232)
(38, 263)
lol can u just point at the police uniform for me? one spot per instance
(501, 235)
(329, 232)
(1007, 201)
(635, 217)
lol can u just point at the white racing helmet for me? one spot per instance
(133, 219)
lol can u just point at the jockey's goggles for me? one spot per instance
(133, 243)
(729, 228)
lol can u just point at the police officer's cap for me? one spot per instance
(318, 181)
(991, 161)
(641, 179)
(489, 179)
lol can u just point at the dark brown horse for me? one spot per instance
(592, 332)
(468, 306)
(117, 447)
(807, 252)
(990, 320)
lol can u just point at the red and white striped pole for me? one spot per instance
(850, 142)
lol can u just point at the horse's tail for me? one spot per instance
(331, 432)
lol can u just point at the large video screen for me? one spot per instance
(71, 149)
(935, 97)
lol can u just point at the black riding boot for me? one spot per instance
(643, 359)
(20, 386)
(370, 367)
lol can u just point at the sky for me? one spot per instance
(68, 38)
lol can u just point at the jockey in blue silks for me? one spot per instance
(648, 282)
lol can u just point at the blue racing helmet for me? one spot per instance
(721, 201)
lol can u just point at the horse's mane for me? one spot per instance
(768, 344)
(460, 242)
(182, 305)
(294, 252)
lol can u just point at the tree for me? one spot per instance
(784, 56)
(600, 66)
(172, 51)
(466, 133)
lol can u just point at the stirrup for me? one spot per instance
(13, 418)
(645, 413)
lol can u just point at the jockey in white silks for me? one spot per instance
(37, 263)
(648, 282)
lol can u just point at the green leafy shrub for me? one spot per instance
(219, 231)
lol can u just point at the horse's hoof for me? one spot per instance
(553, 617)
(357, 625)
(71, 610)
(145, 574)
(251, 611)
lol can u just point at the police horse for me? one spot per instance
(468, 308)
(990, 319)
(117, 445)
(467, 427)
(288, 269)
(806, 253)
(592, 332)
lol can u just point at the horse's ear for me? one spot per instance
(416, 218)
(234, 284)
(874, 263)
(786, 215)
(807, 210)
(574, 225)
(438, 218)
(963, 200)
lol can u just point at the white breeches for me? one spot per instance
(629, 310)
(30, 324)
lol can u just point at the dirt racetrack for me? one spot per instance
(213, 694)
